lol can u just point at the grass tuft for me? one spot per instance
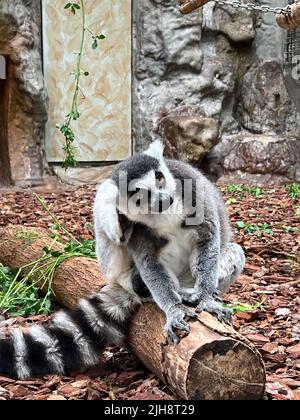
(294, 190)
(258, 229)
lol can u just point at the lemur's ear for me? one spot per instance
(156, 150)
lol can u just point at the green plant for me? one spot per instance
(265, 228)
(235, 188)
(238, 307)
(73, 7)
(256, 192)
(66, 128)
(241, 188)
(85, 248)
(19, 297)
(294, 190)
(20, 289)
(259, 229)
(58, 226)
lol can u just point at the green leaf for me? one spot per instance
(256, 192)
(70, 248)
(235, 188)
(56, 254)
(75, 116)
(95, 44)
(48, 304)
(294, 190)
(68, 5)
(238, 307)
(101, 37)
(240, 225)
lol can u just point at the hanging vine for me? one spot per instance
(66, 128)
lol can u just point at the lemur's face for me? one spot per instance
(149, 185)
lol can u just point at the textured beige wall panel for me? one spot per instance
(104, 130)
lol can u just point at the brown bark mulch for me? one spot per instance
(271, 277)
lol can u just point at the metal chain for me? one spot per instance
(237, 4)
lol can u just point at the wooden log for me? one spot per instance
(292, 20)
(188, 6)
(74, 279)
(212, 362)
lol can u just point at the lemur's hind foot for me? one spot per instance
(215, 307)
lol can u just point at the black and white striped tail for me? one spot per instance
(71, 342)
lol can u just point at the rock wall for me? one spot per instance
(20, 43)
(211, 84)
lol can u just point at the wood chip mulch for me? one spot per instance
(271, 276)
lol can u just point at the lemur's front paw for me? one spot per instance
(176, 320)
(215, 307)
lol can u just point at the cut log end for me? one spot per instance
(211, 363)
(225, 370)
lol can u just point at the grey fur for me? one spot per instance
(181, 252)
(72, 341)
(20, 351)
(186, 257)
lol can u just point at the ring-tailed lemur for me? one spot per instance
(162, 232)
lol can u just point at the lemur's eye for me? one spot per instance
(160, 178)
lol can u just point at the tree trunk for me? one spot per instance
(212, 362)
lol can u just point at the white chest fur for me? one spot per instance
(175, 256)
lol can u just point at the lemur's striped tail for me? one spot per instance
(72, 341)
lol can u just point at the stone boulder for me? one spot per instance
(254, 158)
(238, 25)
(265, 105)
(24, 90)
(188, 134)
(166, 40)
